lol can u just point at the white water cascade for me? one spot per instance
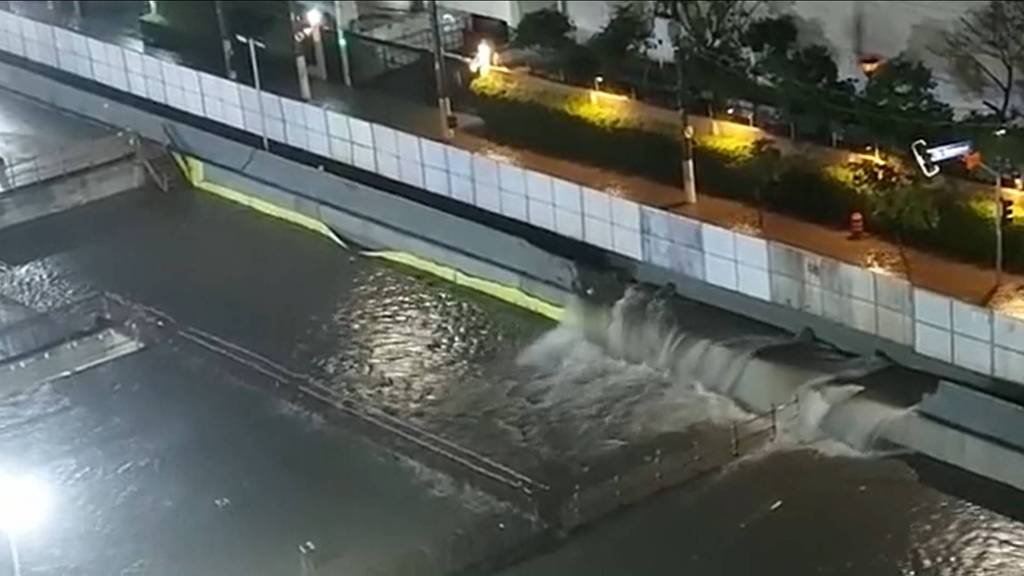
(746, 368)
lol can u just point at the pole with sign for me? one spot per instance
(928, 159)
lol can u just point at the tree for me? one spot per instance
(899, 102)
(899, 199)
(986, 54)
(708, 40)
(545, 28)
(628, 33)
(710, 26)
(804, 80)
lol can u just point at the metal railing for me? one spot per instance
(68, 160)
(47, 329)
(761, 425)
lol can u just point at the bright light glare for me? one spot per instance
(314, 17)
(483, 60)
(24, 503)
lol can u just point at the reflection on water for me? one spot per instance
(480, 373)
(957, 538)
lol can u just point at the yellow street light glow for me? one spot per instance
(483, 60)
(24, 504)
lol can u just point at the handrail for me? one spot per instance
(68, 160)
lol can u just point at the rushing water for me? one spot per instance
(540, 398)
(175, 461)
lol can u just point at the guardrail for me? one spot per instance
(68, 160)
(52, 327)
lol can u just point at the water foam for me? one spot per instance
(721, 380)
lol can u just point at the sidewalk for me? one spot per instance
(967, 282)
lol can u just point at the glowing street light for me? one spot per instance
(314, 17)
(483, 59)
(869, 64)
(24, 505)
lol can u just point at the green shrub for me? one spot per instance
(573, 127)
(567, 124)
(807, 191)
(545, 28)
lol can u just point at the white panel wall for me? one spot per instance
(435, 167)
(410, 160)
(672, 242)
(625, 221)
(486, 190)
(752, 267)
(568, 208)
(1008, 349)
(540, 200)
(935, 325)
(512, 191)
(933, 322)
(597, 218)
(719, 257)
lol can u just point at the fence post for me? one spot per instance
(735, 440)
(775, 422)
(657, 467)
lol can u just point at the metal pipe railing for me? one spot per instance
(68, 160)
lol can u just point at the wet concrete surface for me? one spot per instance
(173, 462)
(28, 129)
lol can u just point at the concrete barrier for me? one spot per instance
(874, 304)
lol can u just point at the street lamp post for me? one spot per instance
(225, 39)
(315, 19)
(298, 35)
(253, 45)
(999, 228)
(689, 180)
(928, 160)
(869, 64)
(341, 23)
(444, 103)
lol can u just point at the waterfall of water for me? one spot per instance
(731, 374)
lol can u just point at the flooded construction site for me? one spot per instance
(202, 389)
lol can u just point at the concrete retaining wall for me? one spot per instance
(901, 317)
(37, 201)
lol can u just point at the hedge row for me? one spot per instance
(568, 125)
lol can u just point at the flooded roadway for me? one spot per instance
(175, 462)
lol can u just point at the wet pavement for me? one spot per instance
(173, 461)
(23, 134)
(968, 282)
(176, 461)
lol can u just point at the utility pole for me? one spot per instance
(341, 19)
(999, 228)
(227, 46)
(689, 181)
(253, 45)
(444, 103)
(315, 19)
(929, 158)
(298, 35)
